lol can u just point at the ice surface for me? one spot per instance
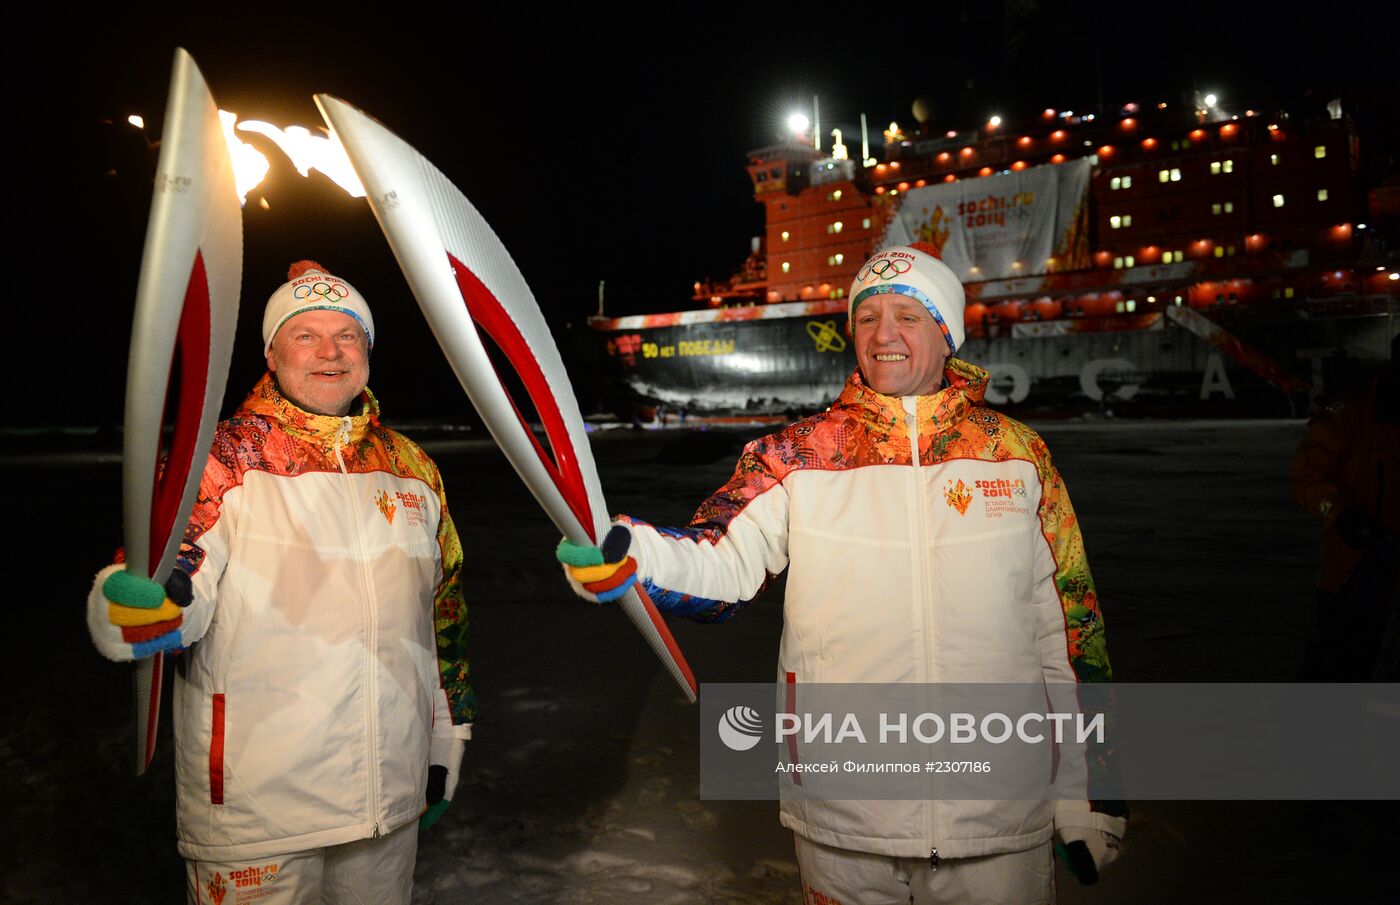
(580, 785)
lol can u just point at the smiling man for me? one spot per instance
(904, 566)
(322, 700)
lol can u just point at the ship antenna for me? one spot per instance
(864, 143)
(816, 122)
(600, 297)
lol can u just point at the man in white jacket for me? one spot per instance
(927, 539)
(322, 698)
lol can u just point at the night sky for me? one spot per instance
(600, 147)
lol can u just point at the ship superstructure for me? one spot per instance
(1245, 230)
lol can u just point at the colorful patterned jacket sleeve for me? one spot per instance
(450, 621)
(1073, 648)
(722, 560)
(1071, 638)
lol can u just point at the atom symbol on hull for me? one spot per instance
(824, 334)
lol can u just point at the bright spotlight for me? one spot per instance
(797, 123)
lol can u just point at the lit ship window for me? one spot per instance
(865, 224)
(1273, 160)
(786, 235)
(1321, 194)
(1278, 201)
(1320, 151)
(786, 267)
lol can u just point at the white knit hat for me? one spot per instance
(913, 271)
(310, 287)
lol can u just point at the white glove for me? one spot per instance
(1080, 830)
(445, 749)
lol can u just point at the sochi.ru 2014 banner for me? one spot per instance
(1028, 222)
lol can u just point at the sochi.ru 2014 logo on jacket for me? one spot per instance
(386, 506)
(958, 496)
(412, 506)
(217, 889)
(1003, 497)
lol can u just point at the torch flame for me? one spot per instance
(309, 151)
(249, 165)
(306, 151)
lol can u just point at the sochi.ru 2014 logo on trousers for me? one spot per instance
(740, 728)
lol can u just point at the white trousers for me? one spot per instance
(838, 876)
(368, 872)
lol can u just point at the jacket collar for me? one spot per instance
(323, 430)
(965, 386)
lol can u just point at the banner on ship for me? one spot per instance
(1018, 224)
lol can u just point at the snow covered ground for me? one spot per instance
(581, 784)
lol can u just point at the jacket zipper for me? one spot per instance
(342, 438)
(922, 597)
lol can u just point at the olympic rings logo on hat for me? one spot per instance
(331, 292)
(886, 269)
